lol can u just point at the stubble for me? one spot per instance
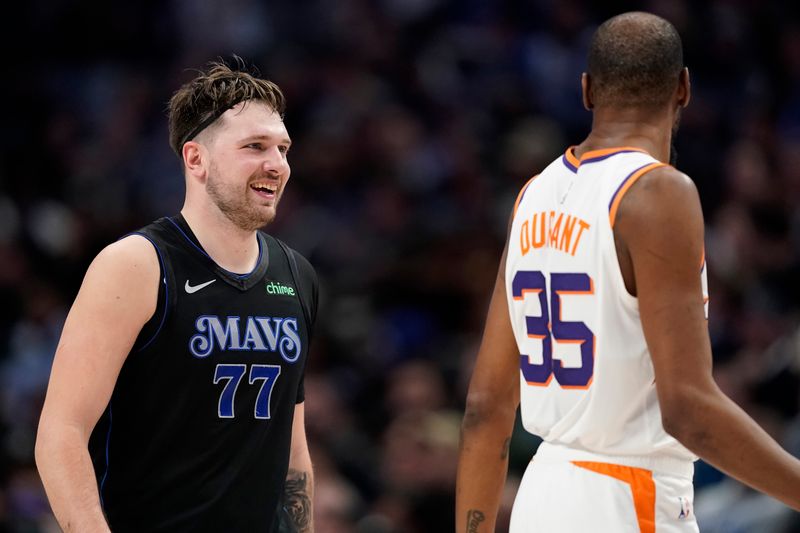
(237, 205)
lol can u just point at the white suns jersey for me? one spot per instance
(586, 377)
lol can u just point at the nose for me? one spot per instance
(275, 161)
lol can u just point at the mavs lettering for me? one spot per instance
(259, 334)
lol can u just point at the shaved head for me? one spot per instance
(635, 60)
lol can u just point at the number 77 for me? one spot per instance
(233, 373)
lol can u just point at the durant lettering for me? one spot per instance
(552, 229)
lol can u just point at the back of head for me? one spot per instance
(635, 60)
(200, 102)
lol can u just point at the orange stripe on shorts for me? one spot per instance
(642, 486)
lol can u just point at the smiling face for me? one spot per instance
(247, 164)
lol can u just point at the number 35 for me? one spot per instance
(541, 327)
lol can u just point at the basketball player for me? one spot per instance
(176, 396)
(597, 325)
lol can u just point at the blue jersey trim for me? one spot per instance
(166, 288)
(567, 164)
(239, 276)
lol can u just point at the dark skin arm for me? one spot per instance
(488, 419)
(659, 233)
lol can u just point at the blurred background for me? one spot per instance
(415, 123)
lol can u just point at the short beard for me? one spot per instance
(236, 208)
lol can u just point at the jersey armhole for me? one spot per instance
(522, 193)
(153, 327)
(308, 297)
(306, 294)
(627, 298)
(627, 183)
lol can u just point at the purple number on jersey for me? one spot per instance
(541, 327)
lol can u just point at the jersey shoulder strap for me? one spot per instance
(307, 300)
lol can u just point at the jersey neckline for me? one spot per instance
(240, 281)
(572, 162)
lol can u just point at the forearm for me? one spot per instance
(721, 433)
(298, 494)
(482, 466)
(68, 476)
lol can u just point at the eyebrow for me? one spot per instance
(264, 137)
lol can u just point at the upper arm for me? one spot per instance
(118, 296)
(660, 222)
(495, 378)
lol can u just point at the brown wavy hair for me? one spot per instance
(201, 101)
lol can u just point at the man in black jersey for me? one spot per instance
(176, 396)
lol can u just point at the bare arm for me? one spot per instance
(660, 224)
(298, 494)
(118, 296)
(489, 419)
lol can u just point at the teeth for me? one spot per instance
(263, 187)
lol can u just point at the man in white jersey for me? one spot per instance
(597, 325)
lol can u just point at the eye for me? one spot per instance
(255, 146)
(284, 149)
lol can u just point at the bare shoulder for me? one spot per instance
(663, 199)
(118, 296)
(125, 272)
(133, 254)
(662, 187)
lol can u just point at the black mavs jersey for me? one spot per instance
(197, 433)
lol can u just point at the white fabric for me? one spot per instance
(617, 412)
(559, 497)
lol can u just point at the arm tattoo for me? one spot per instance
(474, 519)
(506, 446)
(297, 501)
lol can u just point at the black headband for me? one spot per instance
(206, 123)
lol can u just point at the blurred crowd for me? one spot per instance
(415, 123)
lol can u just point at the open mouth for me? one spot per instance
(264, 189)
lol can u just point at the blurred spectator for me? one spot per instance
(415, 123)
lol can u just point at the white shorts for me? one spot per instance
(562, 496)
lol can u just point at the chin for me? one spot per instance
(265, 218)
(253, 221)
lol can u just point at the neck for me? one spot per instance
(231, 247)
(645, 129)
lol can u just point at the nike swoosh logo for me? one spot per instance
(191, 290)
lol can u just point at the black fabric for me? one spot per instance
(180, 447)
(296, 276)
(204, 124)
(307, 292)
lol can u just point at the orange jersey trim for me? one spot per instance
(522, 193)
(627, 184)
(643, 489)
(594, 154)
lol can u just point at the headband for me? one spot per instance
(206, 123)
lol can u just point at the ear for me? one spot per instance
(684, 88)
(195, 157)
(586, 91)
